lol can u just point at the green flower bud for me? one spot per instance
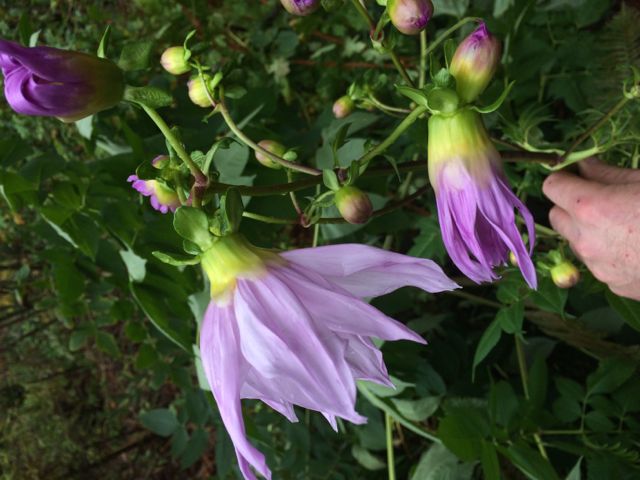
(353, 204)
(475, 62)
(173, 61)
(198, 90)
(565, 274)
(273, 147)
(343, 107)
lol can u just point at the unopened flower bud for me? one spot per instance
(410, 16)
(300, 7)
(343, 107)
(160, 161)
(513, 260)
(353, 204)
(475, 62)
(273, 147)
(565, 274)
(173, 61)
(198, 90)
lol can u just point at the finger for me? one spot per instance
(594, 170)
(567, 190)
(564, 224)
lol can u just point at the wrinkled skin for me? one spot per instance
(599, 214)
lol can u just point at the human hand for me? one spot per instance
(599, 214)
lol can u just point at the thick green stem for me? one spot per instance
(222, 108)
(423, 59)
(387, 142)
(391, 462)
(199, 177)
(386, 108)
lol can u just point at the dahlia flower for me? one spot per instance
(475, 203)
(49, 82)
(293, 329)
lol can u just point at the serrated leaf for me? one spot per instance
(135, 56)
(160, 421)
(489, 339)
(417, 410)
(149, 96)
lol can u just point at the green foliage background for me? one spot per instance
(96, 334)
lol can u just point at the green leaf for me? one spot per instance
(457, 8)
(511, 318)
(104, 42)
(176, 260)
(549, 297)
(417, 410)
(78, 339)
(438, 463)
(150, 96)
(529, 462)
(330, 179)
(462, 431)
(490, 463)
(195, 448)
(501, 6)
(136, 265)
(538, 379)
(192, 224)
(107, 343)
(366, 458)
(160, 421)
(232, 207)
(575, 474)
(414, 94)
(610, 375)
(628, 309)
(135, 56)
(146, 357)
(489, 339)
(497, 103)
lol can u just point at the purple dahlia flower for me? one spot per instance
(49, 82)
(293, 329)
(300, 7)
(475, 203)
(163, 198)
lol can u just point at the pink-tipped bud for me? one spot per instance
(273, 147)
(173, 61)
(300, 7)
(353, 204)
(410, 16)
(160, 161)
(198, 92)
(475, 62)
(343, 107)
(565, 274)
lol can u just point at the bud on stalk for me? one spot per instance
(198, 90)
(300, 8)
(343, 107)
(173, 61)
(410, 16)
(475, 62)
(565, 274)
(273, 147)
(353, 204)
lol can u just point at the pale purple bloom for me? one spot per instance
(475, 203)
(410, 16)
(58, 83)
(162, 197)
(296, 330)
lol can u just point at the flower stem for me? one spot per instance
(375, 31)
(224, 111)
(386, 108)
(381, 147)
(269, 219)
(176, 144)
(423, 59)
(391, 463)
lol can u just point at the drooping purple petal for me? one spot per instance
(366, 361)
(226, 370)
(281, 342)
(367, 271)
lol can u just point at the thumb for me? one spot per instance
(594, 170)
